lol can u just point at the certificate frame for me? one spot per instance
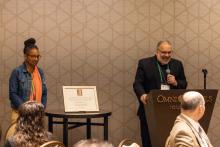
(80, 99)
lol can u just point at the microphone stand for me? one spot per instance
(205, 72)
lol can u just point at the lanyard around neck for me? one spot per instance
(162, 76)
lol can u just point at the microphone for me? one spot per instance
(168, 71)
(205, 72)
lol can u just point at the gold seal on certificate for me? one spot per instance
(80, 99)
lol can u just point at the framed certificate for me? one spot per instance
(80, 98)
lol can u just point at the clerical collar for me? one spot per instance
(162, 65)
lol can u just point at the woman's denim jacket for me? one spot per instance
(20, 86)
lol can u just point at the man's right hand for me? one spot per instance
(144, 98)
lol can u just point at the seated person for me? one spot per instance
(187, 131)
(30, 130)
(92, 143)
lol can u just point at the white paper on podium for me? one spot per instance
(80, 98)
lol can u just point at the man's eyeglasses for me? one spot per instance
(165, 52)
(35, 56)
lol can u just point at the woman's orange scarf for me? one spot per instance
(36, 86)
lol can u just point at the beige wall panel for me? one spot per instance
(98, 42)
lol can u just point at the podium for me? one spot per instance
(163, 108)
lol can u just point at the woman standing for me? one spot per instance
(27, 82)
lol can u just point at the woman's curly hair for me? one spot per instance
(30, 130)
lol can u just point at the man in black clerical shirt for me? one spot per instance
(156, 72)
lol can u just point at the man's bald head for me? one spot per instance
(191, 100)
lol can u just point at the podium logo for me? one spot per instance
(168, 99)
(209, 99)
(177, 99)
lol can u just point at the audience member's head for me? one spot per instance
(193, 105)
(30, 130)
(93, 143)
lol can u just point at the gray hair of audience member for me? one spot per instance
(191, 100)
(30, 130)
(161, 42)
(93, 143)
